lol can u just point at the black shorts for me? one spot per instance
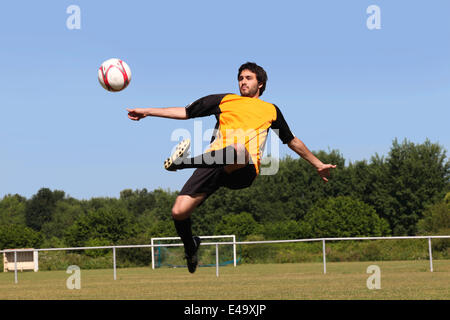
(208, 180)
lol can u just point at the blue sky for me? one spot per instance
(340, 85)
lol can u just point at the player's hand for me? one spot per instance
(324, 171)
(136, 114)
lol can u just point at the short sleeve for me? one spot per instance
(205, 106)
(281, 128)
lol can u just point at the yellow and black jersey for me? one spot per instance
(241, 120)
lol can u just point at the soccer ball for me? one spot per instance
(114, 75)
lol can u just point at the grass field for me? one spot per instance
(400, 280)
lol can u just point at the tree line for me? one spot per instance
(403, 193)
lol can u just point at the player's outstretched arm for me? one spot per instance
(170, 112)
(300, 148)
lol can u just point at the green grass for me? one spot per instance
(344, 280)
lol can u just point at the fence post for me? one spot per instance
(324, 257)
(234, 250)
(429, 252)
(114, 263)
(36, 260)
(153, 256)
(15, 267)
(217, 260)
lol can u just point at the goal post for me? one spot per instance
(160, 239)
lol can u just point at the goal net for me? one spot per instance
(173, 256)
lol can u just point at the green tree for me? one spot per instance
(152, 224)
(290, 193)
(65, 213)
(436, 219)
(344, 217)
(287, 195)
(12, 210)
(369, 183)
(18, 236)
(138, 201)
(288, 229)
(107, 223)
(241, 225)
(40, 208)
(413, 178)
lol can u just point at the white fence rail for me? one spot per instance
(323, 240)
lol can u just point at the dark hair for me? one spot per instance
(261, 75)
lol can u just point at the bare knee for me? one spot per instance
(179, 214)
(184, 205)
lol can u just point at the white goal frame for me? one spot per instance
(201, 237)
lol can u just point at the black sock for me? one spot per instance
(184, 230)
(212, 159)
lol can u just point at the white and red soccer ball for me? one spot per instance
(114, 75)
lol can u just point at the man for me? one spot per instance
(233, 159)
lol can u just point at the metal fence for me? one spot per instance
(323, 240)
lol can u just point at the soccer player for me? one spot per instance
(233, 158)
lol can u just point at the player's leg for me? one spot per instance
(207, 180)
(185, 204)
(237, 176)
(181, 214)
(235, 156)
(202, 183)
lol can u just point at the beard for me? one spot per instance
(250, 93)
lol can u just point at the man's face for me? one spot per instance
(248, 84)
